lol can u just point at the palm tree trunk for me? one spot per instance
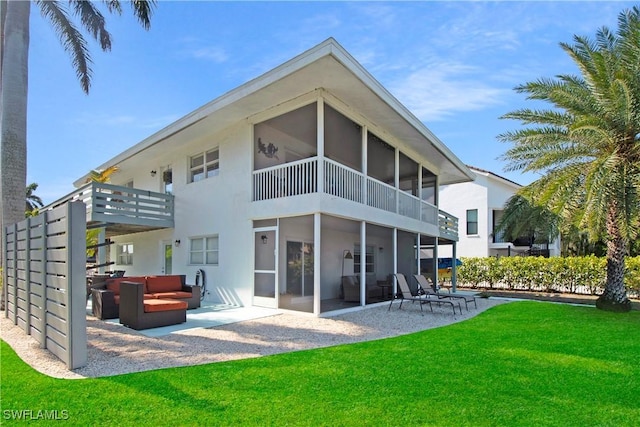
(614, 297)
(13, 112)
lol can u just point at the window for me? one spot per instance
(204, 165)
(369, 263)
(167, 181)
(125, 254)
(472, 221)
(203, 250)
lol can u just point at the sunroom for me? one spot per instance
(339, 206)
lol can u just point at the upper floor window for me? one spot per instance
(125, 254)
(204, 165)
(203, 250)
(472, 221)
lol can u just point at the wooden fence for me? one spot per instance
(45, 280)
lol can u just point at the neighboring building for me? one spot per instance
(280, 187)
(479, 206)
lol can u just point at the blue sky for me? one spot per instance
(453, 64)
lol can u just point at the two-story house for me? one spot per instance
(479, 205)
(280, 187)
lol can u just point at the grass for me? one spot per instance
(525, 363)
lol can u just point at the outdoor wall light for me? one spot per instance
(177, 242)
(153, 173)
(264, 239)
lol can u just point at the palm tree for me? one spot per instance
(14, 52)
(523, 218)
(588, 144)
(102, 175)
(33, 202)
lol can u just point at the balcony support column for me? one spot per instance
(395, 259)
(363, 263)
(365, 161)
(317, 261)
(102, 250)
(397, 179)
(320, 144)
(418, 252)
(435, 262)
(454, 268)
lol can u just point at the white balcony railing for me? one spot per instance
(342, 182)
(301, 177)
(381, 195)
(290, 179)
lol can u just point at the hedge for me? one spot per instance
(579, 275)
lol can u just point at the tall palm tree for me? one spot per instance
(33, 202)
(14, 52)
(588, 144)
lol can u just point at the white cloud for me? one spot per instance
(195, 47)
(439, 90)
(211, 53)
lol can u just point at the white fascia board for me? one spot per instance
(222, 101)
(329, 47)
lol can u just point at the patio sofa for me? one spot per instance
(106, 302)
(138, 312)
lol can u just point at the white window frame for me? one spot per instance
(370, 259)
(476, 222)
(205, 255)
(124, 254)
(207, 165)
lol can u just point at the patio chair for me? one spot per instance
(405, 294)
(426, 286)
(402, 281)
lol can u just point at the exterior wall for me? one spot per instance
(487, 193)
(214, 206)
(457, 199)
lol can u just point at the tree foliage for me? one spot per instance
(33, 202)
(587, 144)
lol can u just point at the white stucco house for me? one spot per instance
(479, 205)
(278, 188)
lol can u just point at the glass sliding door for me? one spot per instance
(299, 277)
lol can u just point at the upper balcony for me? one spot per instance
(314, 175)
(123, 210)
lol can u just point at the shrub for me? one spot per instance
(581, 275)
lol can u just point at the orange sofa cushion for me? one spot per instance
(155, 305)
(116, 298)
(157, 284)
(113, 284)
(176, 294)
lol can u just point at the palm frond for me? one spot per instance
(103, 175)
(93, 22)
(113, 6)
(72, 40)
(143, 10)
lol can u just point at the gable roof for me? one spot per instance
(495, 176)
(328, 66)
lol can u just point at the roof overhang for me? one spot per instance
(326, 66)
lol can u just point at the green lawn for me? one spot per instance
(525, 363)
